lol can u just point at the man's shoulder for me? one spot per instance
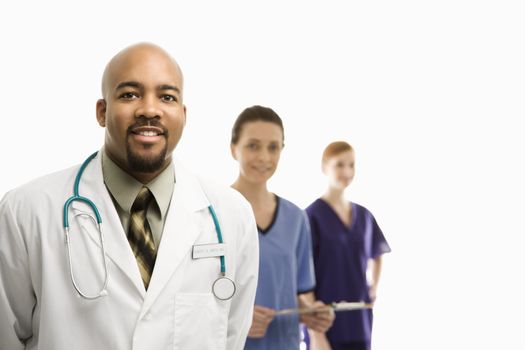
(233, 210)
(44, 186)
(220, 194)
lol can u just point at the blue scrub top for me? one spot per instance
(285, 270)
(341, 255)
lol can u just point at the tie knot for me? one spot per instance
(143, 200)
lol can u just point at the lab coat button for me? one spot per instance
(147, 317)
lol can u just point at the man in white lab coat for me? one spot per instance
(160, 275)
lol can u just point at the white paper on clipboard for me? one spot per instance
(341, 306)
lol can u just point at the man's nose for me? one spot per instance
(149, 108)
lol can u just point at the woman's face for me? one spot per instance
(340, 170)
(258, 150)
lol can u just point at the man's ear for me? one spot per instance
(101, 112)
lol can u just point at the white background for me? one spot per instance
(430, 94)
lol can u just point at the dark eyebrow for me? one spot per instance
(169, 87)
(124, 84)
(138, 85)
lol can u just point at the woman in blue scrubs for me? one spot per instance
(347, 241)
(286, 276)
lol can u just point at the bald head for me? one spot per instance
(142, 110)
(138, 53)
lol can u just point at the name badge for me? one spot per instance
(208, 250)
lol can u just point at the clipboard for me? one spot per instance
(337, 307)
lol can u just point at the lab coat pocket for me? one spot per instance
(201, 322)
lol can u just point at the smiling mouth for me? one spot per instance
(147, 136)
(147, 133)
(261, 169)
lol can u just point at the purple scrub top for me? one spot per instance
(341, 256)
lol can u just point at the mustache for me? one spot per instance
(142, 121)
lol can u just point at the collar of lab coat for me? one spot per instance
(180, 229)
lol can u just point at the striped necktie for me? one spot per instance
(140, 237)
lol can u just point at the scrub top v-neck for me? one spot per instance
(285, 270)
(341, 253)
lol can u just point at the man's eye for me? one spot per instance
(128, 95)
(252, 146)
(168, 98)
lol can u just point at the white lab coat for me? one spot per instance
(40, 309)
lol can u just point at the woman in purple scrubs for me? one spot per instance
(346, 242)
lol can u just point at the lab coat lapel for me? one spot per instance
(117, 246)
(181, 230)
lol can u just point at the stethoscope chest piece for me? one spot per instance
(223, 288)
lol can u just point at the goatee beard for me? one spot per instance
(141, 164)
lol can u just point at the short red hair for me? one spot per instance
(336, 148)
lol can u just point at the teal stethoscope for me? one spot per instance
(223, 288)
